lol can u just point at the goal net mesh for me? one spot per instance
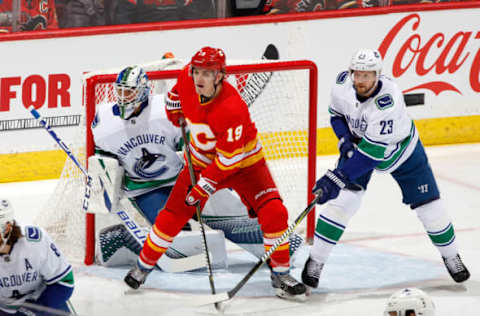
(281, 103)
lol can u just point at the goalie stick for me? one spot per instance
(217, 298)
(257, 82)
(167, 264)
(32, 309)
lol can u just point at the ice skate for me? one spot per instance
(311, 273)
(287, 287)
(136, 276)
(456, 268)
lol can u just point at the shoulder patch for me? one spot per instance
(384, 101)
(116, 110)
(33, 233)
(95, 121)
(342, 77)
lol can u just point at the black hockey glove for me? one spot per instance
(330, 185)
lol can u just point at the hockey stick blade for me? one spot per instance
(168, 264)
(217, 298)
(182, 264)
(271, 52)
(257, 82)
(201, 300)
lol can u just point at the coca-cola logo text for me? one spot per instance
(451, 55)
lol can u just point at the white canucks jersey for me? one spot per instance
(33, 262)
(382, 123)
(145, 145)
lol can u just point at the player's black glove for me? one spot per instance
(329, 185)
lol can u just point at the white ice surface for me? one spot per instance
(383, 249)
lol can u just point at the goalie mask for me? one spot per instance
(408, 302)
(6, 218)
(131, 90)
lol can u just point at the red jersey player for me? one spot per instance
(33, 15)
(226, 153)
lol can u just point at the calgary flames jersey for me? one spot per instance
(223, 136)
(34, 14)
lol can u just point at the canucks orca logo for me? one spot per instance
(146, 161)
(384, 102)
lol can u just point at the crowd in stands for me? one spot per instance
(28, 15)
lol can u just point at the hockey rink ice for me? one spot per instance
(383, 249)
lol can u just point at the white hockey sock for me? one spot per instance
(332, 221)
(439, 227)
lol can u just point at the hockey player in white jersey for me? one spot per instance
(135, 131)
(33, 271)
(369, 117)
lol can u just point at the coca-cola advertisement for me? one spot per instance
(432, 52)
(441, 60)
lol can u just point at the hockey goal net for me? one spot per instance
(282, 98)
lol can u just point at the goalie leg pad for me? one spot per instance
(189, 243)
(99, 167)
(246, 233)
(115, 246)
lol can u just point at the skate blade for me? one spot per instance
(294, 298)
(308, 292)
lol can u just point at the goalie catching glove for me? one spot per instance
(200, 192)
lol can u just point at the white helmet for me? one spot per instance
(6, 216)
(409, 300)
(131, 89)
(366, 60)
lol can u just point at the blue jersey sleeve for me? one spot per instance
(55, 296)
(358, 165)
(340, 126)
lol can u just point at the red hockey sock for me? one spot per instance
(280, 259)
(154, 247)
(273, 217)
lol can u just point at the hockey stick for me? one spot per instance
(167, 264)
(197, 208)
(71, 308)
(257, 82)
(30, 309)
(88, 184)
(230, 294)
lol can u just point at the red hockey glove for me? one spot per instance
(200, 192)
(173, 108)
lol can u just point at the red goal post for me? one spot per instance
(282, 144)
